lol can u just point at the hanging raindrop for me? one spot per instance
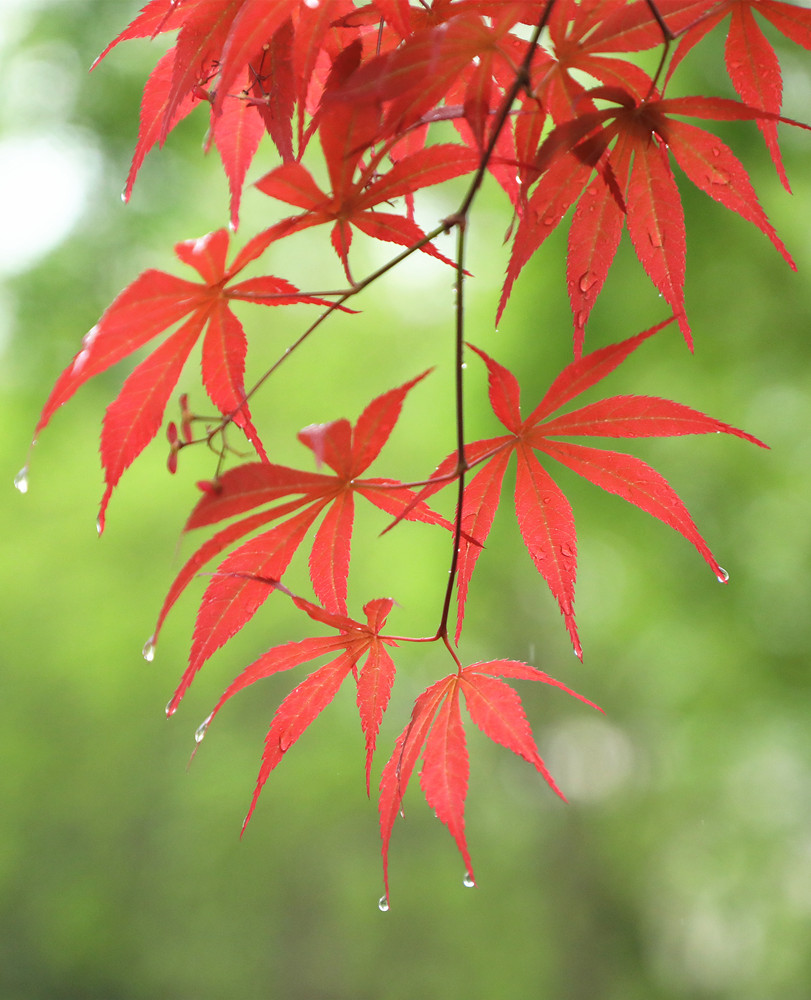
(21, 480)
(722, 576)
(383, 904)
(200, 732)
(468, 881)
(148, 652)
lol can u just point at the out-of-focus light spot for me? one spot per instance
(590, 759)
(44, 183)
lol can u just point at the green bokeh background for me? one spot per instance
(681, 866)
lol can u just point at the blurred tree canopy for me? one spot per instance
(681, 867)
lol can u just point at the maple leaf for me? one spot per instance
(544, 514)
(252, 60)
(435, 732)
(353, 642)
(750, 59)
(246, 578)
(352, 202)
(578, 35)
(634, 186)
(152, 304)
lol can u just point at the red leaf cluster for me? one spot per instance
(551, 99)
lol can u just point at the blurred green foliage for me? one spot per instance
(681, 866)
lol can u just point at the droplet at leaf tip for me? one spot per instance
(200, 732)
(21, 480)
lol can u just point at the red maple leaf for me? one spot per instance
(253, 60)
(357, 189)
(544, 514)
(634, 185)
(152, 304)
(353, 642)
(246, 578)
(751, 61)
(436, 733)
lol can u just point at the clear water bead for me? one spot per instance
(200, 731)
(468, 881)
(21, 480)
(383, 904)
(148, 652)
(723, 576)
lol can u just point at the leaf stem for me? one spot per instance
(459, 392)
(522, 80)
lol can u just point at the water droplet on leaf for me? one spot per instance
(21, 480)
(170, 709)
(587, 279)
(655, 239)
(99, 526)
(200, 731)
(468, 881)
(148, 652)
(723, 576)
(383, 904)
